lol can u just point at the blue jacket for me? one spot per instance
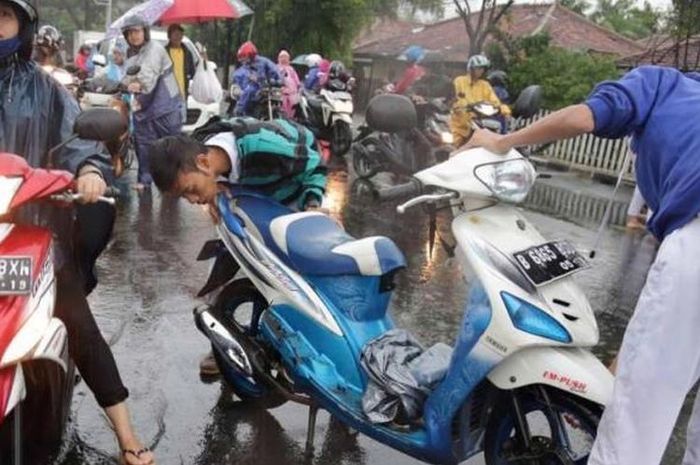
(250, 77)
(658, 107)
(311, 81)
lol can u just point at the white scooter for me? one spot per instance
(521, 385)
(329, 116)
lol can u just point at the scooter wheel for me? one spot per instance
(239, 308)
(545, 411)
(362, 161)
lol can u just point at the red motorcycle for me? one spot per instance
(36, 373)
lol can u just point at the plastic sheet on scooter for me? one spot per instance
(401, 375)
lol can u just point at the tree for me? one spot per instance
(567, 77)
(624, 17)
(683, 28)
(482, 24)
(579, 6)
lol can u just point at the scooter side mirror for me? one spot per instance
(391, 113)
(528, 103)
(102, 124)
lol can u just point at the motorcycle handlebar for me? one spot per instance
(410, 188)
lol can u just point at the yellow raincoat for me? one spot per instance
(468, 92)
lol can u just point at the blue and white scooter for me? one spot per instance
(295, 300)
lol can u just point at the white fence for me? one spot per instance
(587, 153)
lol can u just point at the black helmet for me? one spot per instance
(497, 78)
(28, 24)
(49, 36)
(336, 70)
(136, 21)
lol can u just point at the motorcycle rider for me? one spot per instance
(36, 115)
(469, 89)
(116, 70)
(414, 72)
(228, 152)
(254, 72)
(658, 361)
(312, 78)
(158, 109)
(47, 54)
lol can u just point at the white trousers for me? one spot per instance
(659, 361)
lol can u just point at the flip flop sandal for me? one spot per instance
(135, 453)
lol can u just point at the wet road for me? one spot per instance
(144, 302)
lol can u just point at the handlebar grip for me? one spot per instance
(400, 191)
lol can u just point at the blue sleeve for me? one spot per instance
(621, 107)
(271, 72)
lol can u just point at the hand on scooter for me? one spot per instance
(134, 87)
(496, 143)
(90, 184)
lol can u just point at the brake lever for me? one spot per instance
(401, 209)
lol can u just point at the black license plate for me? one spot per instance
(547, 262)
(15, 275)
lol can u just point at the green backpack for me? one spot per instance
(277, 158)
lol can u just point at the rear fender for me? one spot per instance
(571, 369)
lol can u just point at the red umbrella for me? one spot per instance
(198, 11)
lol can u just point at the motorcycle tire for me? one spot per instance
(362, 162)
(341, 138)
(539, 408)
(232, 300)
(43, 414)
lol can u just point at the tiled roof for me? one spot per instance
(683, 54)
(448, 41)
(383, 29)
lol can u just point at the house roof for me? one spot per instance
(384, 28)
(682, 54)
(448, 41)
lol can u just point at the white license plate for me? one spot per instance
(15, 275)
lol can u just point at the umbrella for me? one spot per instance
(150, 11)
(198, 11)
(241, 8)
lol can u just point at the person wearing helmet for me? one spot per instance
(414, 72)
(159, 102)
(312, 78)
(499, 81)
(254, 71)
(47, 54)
(37, 114)
(472, 88)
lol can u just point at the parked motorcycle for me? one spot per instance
(391, 148)
(328, 115)
(36, 374)
(295, 301)
(384, 149)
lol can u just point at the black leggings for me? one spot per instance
(86, 346)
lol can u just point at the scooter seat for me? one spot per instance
(316, 245)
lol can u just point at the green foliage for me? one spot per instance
(579, 6)
(624, 17)
(567, 77)
(684, 19)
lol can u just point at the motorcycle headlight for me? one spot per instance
(509, 181)
(447, 138)
(526, 317)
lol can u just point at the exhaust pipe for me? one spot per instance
(222, 339)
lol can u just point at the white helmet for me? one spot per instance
(478, 61)
(313, 59)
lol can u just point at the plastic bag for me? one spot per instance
(401, 375)
(205, 87)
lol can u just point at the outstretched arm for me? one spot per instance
(569, 122)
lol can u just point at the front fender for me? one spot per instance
(571, 369)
